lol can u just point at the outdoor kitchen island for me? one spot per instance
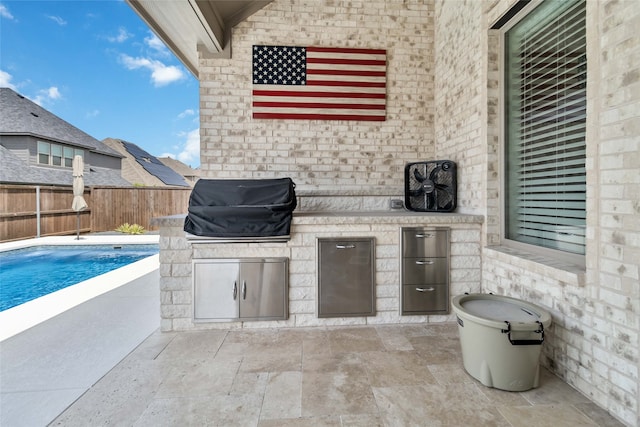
(178, 253)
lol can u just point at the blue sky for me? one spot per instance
(98, 66)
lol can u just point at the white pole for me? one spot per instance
(37, 211)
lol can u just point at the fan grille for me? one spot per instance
(430, 186)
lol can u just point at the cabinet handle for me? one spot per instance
(425, 289)
(424, 235)
(345, 246)
(425, 262)
(235, 290)
(244, 289)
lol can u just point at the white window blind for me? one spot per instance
(545, 104)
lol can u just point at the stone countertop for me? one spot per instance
(338, 217)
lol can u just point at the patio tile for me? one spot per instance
(194, 379)
(324, 421)
(450, 373)
(121, 396)
(394, 368)
(347, 377)
(598, 415)
(283, 396)
(337, 385)
(394, 338)
(559, 415)
(354, 340)
(554, 391)
(221, 410)
(452, 404)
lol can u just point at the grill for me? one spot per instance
(241, 210)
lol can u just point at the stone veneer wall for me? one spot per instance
(460, 86)
(323, 154)
(594, 343)
(176, 255)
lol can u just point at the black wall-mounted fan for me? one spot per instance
(430, 186)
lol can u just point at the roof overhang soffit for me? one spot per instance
(193, 27)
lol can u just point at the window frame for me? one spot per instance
(64, 148)
(556, 254)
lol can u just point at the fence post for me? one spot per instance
(37, 211)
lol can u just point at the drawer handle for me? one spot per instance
(345, 246)
(425, 289)
(425, 262)
(425, 235)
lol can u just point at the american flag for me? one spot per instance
(319, 83)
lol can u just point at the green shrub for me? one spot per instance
(130, 228)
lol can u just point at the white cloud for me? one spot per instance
(123, 35)
(53, 93)
(45, 95)
(186, 113)
(58, 20)
(5, 80)
(92, 114)
(190, 151)
(156, 44)
(161, 74)
(4, 12)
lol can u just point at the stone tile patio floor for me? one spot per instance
(404, 375)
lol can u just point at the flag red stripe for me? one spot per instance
(312, 116)
(345, 61)
(346, 50)
(318, 94)
(364, 73)
(338, 83)
(318, 105)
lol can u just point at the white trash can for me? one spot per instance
(501, 339)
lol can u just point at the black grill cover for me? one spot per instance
(241, 208)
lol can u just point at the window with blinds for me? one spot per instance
(545, 109)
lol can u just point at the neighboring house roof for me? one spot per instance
(187, 171)
(14, 170)
(141, 168)
(21, 116)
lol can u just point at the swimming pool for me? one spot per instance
(29, 273)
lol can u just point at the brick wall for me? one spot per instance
(594, 343)
(323, 154)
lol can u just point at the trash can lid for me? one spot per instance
(499, 310)
(494, 310)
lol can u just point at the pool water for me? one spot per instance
(29, 273)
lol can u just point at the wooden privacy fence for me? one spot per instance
(115, 206)
(28, 211)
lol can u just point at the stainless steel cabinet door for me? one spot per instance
(216, 290)
(262, 290)
(346, 278)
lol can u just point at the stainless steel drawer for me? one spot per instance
(416, 271)
(425, 298)
(419, 242)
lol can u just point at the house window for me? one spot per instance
(68, 157)
(545, 125)
(57, 155)
(44, 152)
